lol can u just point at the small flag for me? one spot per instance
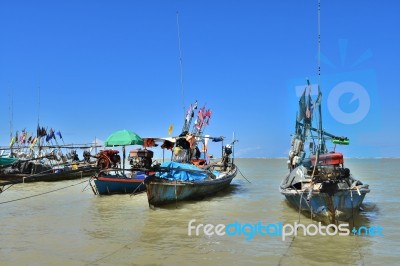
(12, 141)
(170, 128)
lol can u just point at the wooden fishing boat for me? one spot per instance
(49, 174)
(42, 158)
(325, 191)
(113, 180)
(188, 176)
(164, 189)
(107, 184)
(318, 183)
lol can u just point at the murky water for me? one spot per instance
(71, 226)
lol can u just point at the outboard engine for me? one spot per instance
(140, 158)
(86, 156)
(108, 158)
(74, 156)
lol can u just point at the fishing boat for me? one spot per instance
(184, 181)
(107, 184)
(112, 179)
(27, 162)
(188, 176)
(318, 183)
(5, 161)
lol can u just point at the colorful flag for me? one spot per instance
(59, 134)
(50, 135)
(170, 128)
(12, 141)
(309, 109)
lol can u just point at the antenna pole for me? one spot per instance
(11, 121)
(11, 113)
(180, 63)
(38, 122)
(320, 137)
(319, 42)
(38, 103)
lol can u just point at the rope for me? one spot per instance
(176, 196)
(109, 255)
(4, 189)
(132, 194)
(43, 193)
(242, 174)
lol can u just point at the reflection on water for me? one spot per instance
(74, 227)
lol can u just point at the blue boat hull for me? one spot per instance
(108, 185)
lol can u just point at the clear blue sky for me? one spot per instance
(103, 66)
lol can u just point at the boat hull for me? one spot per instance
(48, 177)
(342, 205)
(118, 185)
(161, 191)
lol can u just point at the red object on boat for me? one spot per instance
(333, 158)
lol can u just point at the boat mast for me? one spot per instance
(38, 123)
(180, 63)
(321, 143)
(11, 120)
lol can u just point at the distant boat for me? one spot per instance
(188, 176)
(319, 184)
(50, 165)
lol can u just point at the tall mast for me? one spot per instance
(321, 142)
(38, 122)
(11, 119)
(180, 63)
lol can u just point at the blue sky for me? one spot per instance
(103, 66)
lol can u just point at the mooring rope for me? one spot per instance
(133, 193)
(242, 174)
(32, 196)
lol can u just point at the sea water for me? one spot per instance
(64, 223)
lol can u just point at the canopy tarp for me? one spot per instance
(183, 172)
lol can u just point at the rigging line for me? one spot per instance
(319, 42)
(4, 189)
(180, 63)
(111, 254)
(133, 193)
(11, 111)
(287, 250)
(40, 194)
(38, 103)
(242, 174)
